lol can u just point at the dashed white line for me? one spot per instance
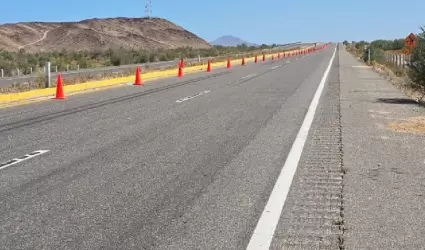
(193, 96)
(22, 158)
(266, 226)
(248, 76)
(277, 66)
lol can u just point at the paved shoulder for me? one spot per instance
(383, 142)
(312, 215)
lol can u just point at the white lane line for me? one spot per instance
(266, 226)
(248, 76)
(22, 158)
(288, 61)
(277, 66)
(193, 96)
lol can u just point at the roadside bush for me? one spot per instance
(376, 54)
(417, 67)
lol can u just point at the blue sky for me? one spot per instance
(271, 21)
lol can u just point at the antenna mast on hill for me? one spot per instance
(148, 9)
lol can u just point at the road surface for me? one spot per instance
(178, 163)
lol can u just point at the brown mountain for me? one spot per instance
(91, 34)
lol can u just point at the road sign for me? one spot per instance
(410, 40)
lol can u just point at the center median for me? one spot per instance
(15, 98)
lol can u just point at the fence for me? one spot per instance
(397, 60)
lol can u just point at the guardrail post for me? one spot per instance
(78, 67)
(2, 73)
(31, 70)
(56, 68)
(67, 67)
(47, 70)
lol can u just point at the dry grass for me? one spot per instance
(412, 125)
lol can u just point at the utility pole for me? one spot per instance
(148, 8)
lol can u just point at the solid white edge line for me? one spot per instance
(27, 157)
(266, 225)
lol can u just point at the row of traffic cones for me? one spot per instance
(138, 80)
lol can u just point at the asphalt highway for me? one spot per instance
(184, 163)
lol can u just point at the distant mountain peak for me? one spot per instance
(230, 41)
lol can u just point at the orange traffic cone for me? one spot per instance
(180, 73)
(228, 62)
(272, 57)
(59, 88)
(243, 61)
(137, 80)
(278, 55)
(209, 66)
(255, 59)
(264, 57)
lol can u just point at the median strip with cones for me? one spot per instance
(180, 72)
(59, 88)
(138, 80)
(58, 92)
(209, 66)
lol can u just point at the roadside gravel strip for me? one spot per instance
(384, 153)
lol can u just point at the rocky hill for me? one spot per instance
(92, 34)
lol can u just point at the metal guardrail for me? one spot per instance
(9, 81)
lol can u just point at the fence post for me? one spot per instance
(368, 55)
(398, 60)
(47, 70)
